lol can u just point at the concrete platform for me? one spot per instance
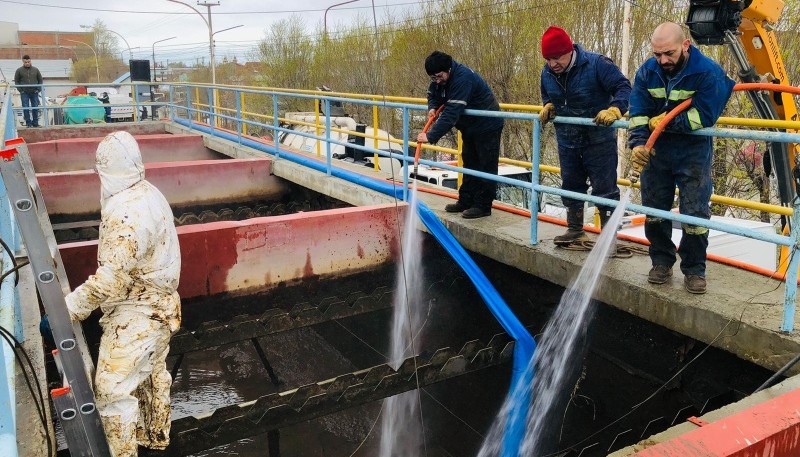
(741, 313)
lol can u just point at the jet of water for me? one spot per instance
(557, 355)
(401, 431)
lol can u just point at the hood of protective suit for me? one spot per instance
(119, 164)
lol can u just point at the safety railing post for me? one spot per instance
(189, 111)
(212, 121)
(375, 122)
(535, 159)
(791, 273)
(405, 153)
(136, 116)
(45, 111)
(276, 134)
(171, 102)
(328, 135)
(244, 110)
(237, 96)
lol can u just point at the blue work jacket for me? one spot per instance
(464, 89)
(594, 83)
(702, 80)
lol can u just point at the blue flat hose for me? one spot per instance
(524, 346)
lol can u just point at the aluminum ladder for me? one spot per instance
(74, 401)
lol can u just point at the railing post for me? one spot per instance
(375, 122)
(791, 272)
(171, 102)
(316, 122)
(535, 159)
(405, 154)
(276, 134)
(327, 135)
(136, 117)
(244, 110)
(189, 109)
(197, 111)
(212, 118)
(237, 96)
(45, 111)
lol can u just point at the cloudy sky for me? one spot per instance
(142, 22)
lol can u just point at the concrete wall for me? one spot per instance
(202, 182)
(78, 153)
(258, 254)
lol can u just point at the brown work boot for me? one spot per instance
(659, 274)
(456, 207)
(695, 284)
(574, 233)
(475, 212)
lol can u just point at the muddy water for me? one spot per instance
(626, 361)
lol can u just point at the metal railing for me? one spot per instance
(236, 116)
(9, 299)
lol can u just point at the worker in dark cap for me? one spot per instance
(458, 88)
(579, 83)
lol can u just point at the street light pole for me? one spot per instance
(154, 55)
(210, 32)
(96, 63)
(130, 54)
(325, 17)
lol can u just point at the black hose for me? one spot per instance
(778, 373)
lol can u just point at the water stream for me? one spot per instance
(401, 430)
(558, 356)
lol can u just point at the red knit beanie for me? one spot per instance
(555, 42)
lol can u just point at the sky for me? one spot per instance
(143, 22)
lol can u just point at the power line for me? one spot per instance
(316, 10)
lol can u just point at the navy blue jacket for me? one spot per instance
(594, 83)
(702, 80)
(464, 89)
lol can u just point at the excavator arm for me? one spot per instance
(746, 26)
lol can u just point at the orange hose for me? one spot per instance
(425, 129)
(684, 105)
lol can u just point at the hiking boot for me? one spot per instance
(455, 207)
(574, 231)
(659, 274)
(475, 212)
(695, 284)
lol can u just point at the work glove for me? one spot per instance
(547, 114)
(654, 121)
(640, 155)
(431, 113)
(608, 116)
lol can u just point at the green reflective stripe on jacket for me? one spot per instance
(658, 92)
(636, 121)
(681, 94)
(694, 119)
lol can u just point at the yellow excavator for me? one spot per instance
(747, 27)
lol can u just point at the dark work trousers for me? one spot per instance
(595, 164)
(30, 100)
(480, 153)
(691, 172)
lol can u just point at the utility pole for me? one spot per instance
(208, 5)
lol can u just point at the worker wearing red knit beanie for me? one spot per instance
(556, 42)
(579, 83)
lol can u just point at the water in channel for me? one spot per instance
(558, 356)
(401, 430)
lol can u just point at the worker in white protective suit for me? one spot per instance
(135, 286)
